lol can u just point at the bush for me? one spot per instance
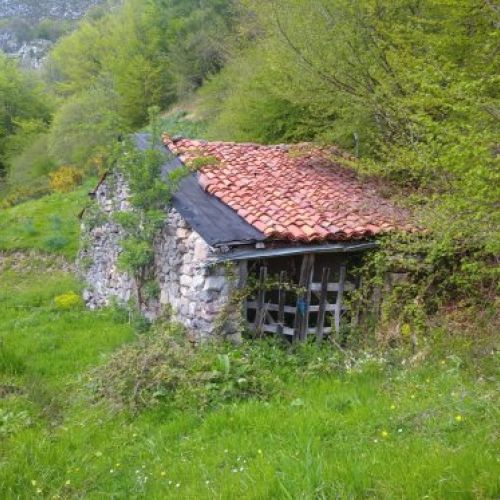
(65, 179)
(165, 367)
(68, 301)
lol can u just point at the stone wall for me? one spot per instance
(194, 289)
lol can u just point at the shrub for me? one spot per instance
(68, 301)
(164, 367)
(65, 179)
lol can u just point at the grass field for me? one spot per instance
(378, 430)
(49, 224)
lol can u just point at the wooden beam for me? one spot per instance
(241, 284)
(334, 287)
(327, 329)
(261, 296)
(242, 274)
(281, 302)
(340, 293)
(322, 304)
(274, 328)
(292, 309)
(304, 297)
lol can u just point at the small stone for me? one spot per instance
(186, 280)
(214, 283)
(200, 250)
(182, 233)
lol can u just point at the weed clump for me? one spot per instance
(165, 367)
(68, 301)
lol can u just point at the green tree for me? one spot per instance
(153, 52)
(86, 124)
(24, 109)
(411, 85)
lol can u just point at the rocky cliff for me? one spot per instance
(28, 28)
(37, 10)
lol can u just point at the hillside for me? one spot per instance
(28, 28)
(35, 11)
(399, 401)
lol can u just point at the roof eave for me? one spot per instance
(284, 251)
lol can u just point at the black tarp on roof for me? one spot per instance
(214, 221)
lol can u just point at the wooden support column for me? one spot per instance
(241, 284)
(242, 274)
(304, 298)
(340, 293)
(260, 315)
(322, 303)
(281, 302)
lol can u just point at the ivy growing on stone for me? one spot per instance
(150, 195)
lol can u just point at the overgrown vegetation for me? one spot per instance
(262, 420)
(94, 404)
(150, 194)
(24, 110)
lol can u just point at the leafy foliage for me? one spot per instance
(86, 125)
(65, 179)
(152, 52)
(23, 106)
(150, 194)
(412, 88)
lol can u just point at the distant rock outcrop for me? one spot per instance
(28, 28)
(37, 10)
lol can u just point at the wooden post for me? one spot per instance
(322, 303)
(281, 302)
(340, 293)
(242, 274)
(241, 284)
(304, 298)
(260, 314)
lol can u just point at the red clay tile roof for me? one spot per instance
(291, 192)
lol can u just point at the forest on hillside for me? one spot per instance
(410, 87)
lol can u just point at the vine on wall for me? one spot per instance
(150, 196)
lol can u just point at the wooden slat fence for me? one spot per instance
(266, 322)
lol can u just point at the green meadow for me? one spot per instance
(370, 427)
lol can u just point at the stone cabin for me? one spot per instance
(288, 219)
